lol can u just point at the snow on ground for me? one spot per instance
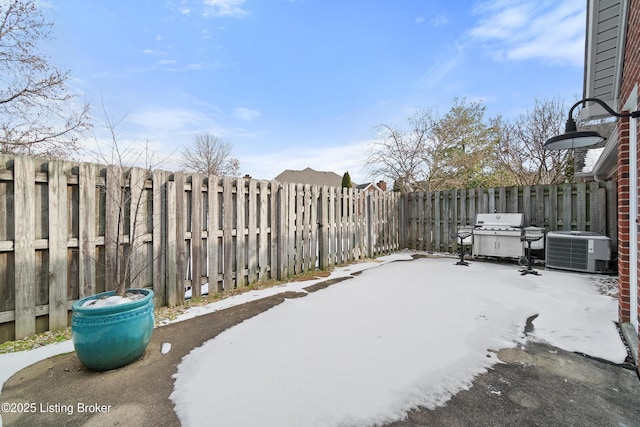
(14, 362)
(290, 286)
(366, 350)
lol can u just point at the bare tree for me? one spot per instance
(521, 155)
(129, 166)
(436, 153)
(37, 113)
(398, 154)
(210, 155)
(463, 148)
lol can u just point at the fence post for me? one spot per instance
(227, 229)
(274, 209)
(263, 254)
(137, 227)
(566, 207)
(87, 230)
(58, 238)
(370, 242)
(159, 237)
(196, 234)
(253, 216)
(402, 224)
(24, 250)
(297, 227)
(171, 246)
(213, 223)
(240, 226)
(313, 227)
(181, 214)
(112, 225)
(290, 206)
(283, 192)
(323, 230)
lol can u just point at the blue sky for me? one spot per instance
(297, 83)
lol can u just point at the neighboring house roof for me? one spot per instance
(311, 176)
(368, 186)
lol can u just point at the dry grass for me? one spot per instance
(162, 315)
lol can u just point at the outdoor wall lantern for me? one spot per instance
(571, 138)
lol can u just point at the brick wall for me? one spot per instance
(630, 80)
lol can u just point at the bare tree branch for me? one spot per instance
(521, 149)
(210, 155)
(436, 153)
(129, 167)
(38, 115)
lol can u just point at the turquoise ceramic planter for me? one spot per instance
(112, 336)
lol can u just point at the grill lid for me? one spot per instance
(499, 220)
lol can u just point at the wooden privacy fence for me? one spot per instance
(428, 219)
(58, 225)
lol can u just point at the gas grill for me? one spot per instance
(498, 235)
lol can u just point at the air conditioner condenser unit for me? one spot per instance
(578, 251)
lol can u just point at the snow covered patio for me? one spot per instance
(361, 347)
(397, 335)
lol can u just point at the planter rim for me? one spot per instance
(96, 311)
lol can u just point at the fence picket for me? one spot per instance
(196, 234)
(112, 225)
(137, 227)
(227, 233)
(171, 244)
(24, 247)
(241, 270)
(252, 232)
(313, 224)
(158, 230)
(264, 228)
(58, 239)
(299, 225)
(87, 230)
(213, 234)
(323, 229)
(567, 221)
(181, 225)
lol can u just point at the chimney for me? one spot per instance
(247, 176)
(382, 185)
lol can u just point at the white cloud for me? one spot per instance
(419, 20)
(166, 62)
(438, 21)
(166, 130)
(439, 71)
(339, 159)
(152, 52)
(245, 114)
(231, 8)
(532, 29)
(169, 121)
